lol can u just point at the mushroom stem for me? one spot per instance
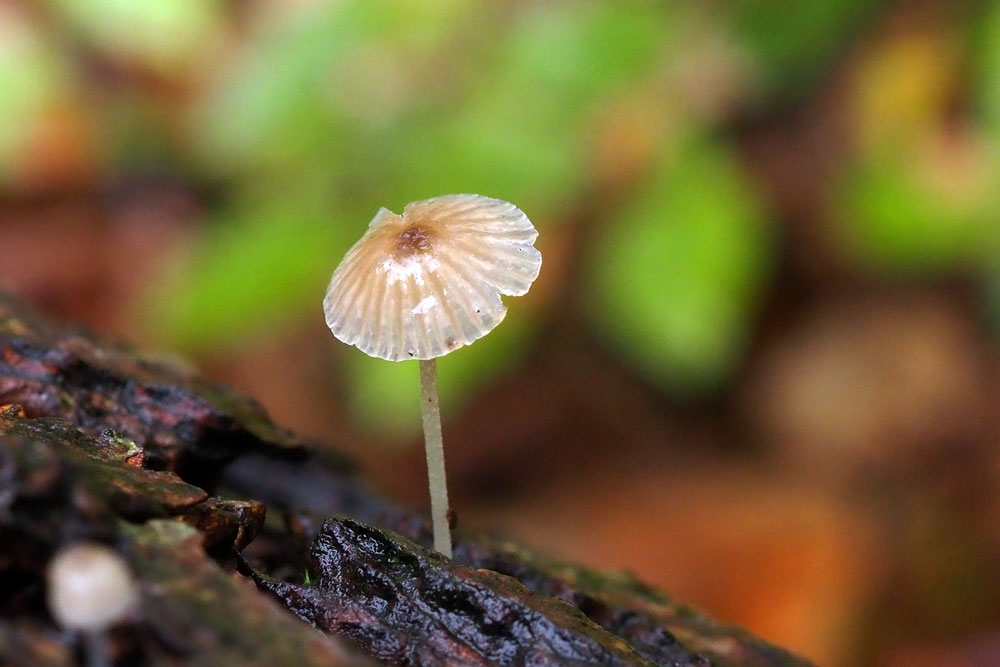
(434, 447)
(96, 648)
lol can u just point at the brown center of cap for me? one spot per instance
(414, 239)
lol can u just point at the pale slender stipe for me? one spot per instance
(425, 283)
(434, 448)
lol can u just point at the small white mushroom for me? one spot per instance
(425, 283)
(89, 590)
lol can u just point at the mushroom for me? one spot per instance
(425, 283)
(90, 589)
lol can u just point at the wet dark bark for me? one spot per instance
(178, 475)
(407, 605)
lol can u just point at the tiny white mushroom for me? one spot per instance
(89, 590)
(425, 283)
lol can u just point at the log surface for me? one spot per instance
(244, 541)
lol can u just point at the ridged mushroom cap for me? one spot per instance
(422, 284)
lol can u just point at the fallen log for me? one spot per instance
(100, 443)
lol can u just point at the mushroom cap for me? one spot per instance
(422, 284)
(89, 587)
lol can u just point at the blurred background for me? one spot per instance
(761, 366)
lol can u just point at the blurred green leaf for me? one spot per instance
(795, 41)
(263, 266)
(989, 64)
(578, 52)
(384, 395)
(925, 201)
(166, 34)
(894, 219)
(320, 82)
(349, 89)
(675, 279)
(514, 152)
(525, 132)
(987, 30)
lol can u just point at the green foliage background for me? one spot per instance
(326, 111)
